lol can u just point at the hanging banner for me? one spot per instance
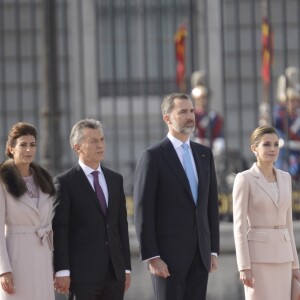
(267, 50)
(179, 40)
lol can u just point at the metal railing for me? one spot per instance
(115, 60)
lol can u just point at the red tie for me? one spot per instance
(99, 192)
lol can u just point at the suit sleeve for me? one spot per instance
(61, 227)
(213, 210)
(240, 198)
(4, 259)
(289, 221)
(145, 189)
(123, 228)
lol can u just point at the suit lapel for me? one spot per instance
(109, 185)
(27, 201)
(282, 186)
(267, 188)
(171, 157)
(200, 162)
(84, 183)
(263, 183)
(42, 199)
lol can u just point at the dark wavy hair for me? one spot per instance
(17, 130)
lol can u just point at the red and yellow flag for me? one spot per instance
(267, 50)
(179, 40)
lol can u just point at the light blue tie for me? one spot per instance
(188, 166)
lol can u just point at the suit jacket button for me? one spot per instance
(106, 243)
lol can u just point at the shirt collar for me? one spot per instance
(87, 170)
(176, 142)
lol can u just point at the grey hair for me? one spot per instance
(76, 132)
(168, 102)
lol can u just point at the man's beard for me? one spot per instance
(184, 129)
(187, 130)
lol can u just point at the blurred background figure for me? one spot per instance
(290, 78)
(209, 132)
(209, 124)
(287, 122)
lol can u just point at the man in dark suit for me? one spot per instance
(91, 244)
(176, 207)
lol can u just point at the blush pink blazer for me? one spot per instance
(255, 212)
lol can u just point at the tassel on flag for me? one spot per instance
(179, 40)
(267, 50)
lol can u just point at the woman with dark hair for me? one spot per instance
(26, 211)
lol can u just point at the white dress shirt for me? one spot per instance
(179, 150)
(88, 173)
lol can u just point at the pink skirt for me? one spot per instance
(271, 282)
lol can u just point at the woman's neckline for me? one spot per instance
(269, 178)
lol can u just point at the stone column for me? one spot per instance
(215, 55)
(84, 81)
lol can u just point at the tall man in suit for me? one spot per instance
(176, 207)
(91, 244)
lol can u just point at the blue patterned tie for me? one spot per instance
(188, 166)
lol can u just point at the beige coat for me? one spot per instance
(256, 212)
(254, 205)
(26, 245)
